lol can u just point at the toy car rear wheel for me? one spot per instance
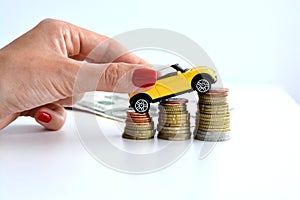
(141, 104)
(201, 84)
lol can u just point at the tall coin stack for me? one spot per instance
(213, 117)
(173, 120)
(138, 126)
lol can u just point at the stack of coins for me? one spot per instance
(138, 126)
(173, 120)
(213, 117)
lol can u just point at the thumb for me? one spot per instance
(114, 77)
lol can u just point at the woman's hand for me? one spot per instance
(44, 68)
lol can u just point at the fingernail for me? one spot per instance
(144, 77)
(44, 117)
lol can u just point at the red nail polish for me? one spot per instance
(144, 77)
(147, 85)
(44, 117)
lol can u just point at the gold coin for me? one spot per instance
(174, 138)
(173, 120)
(137, 138)
(204, 106)
(211, 97)
(174, 125)
(220, 139)
(179, 115)
(176, 128)
(212, 100)
(139, 134)
(134, 129)
(214, 111)
(213, 130)
(173, 116)
(215, 123)
(213, 127)
(174, 101)
(211, 133)
(209, 116)
(135, 132)
(175, 133)
(166, 107)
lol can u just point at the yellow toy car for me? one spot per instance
(172, 84)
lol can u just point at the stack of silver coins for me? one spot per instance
(138, 126)
(213, 116)
(173, 120)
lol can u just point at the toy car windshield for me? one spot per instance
(177, 67)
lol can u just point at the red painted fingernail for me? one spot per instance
(44, 117)
(144, 77)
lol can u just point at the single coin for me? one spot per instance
(138, 129)
(174, 132)
(174, 124)
(213, 126)
(213, 99)
(211, 139)
(174, 100)
(213, 112)
(214, 130)
(169, 121)
(204, 106)
(139, 132)
(214, 123)
(212, 133)
(179, 107)
(136, 138)
(174, 138)
(209, 116)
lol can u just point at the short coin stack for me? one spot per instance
(173, 120)
(213, 117)
(138, 126)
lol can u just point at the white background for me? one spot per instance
(249, 41)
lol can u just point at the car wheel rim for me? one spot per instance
(202, 85)
(141, 105)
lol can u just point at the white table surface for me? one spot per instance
(261, 161)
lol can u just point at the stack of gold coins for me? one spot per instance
(173, 120)
(213, 117)
(138, 126)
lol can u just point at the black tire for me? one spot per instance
(202, 83)
(141, 103)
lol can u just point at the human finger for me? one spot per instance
(113, 77)
(79, 43)
(69, 101)
(51, 116)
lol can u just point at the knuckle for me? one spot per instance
(112, 75)
(48, 21)
(51, 24)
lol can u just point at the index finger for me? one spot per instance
(98, 48)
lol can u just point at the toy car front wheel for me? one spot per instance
(141, 104)
(201, 84)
